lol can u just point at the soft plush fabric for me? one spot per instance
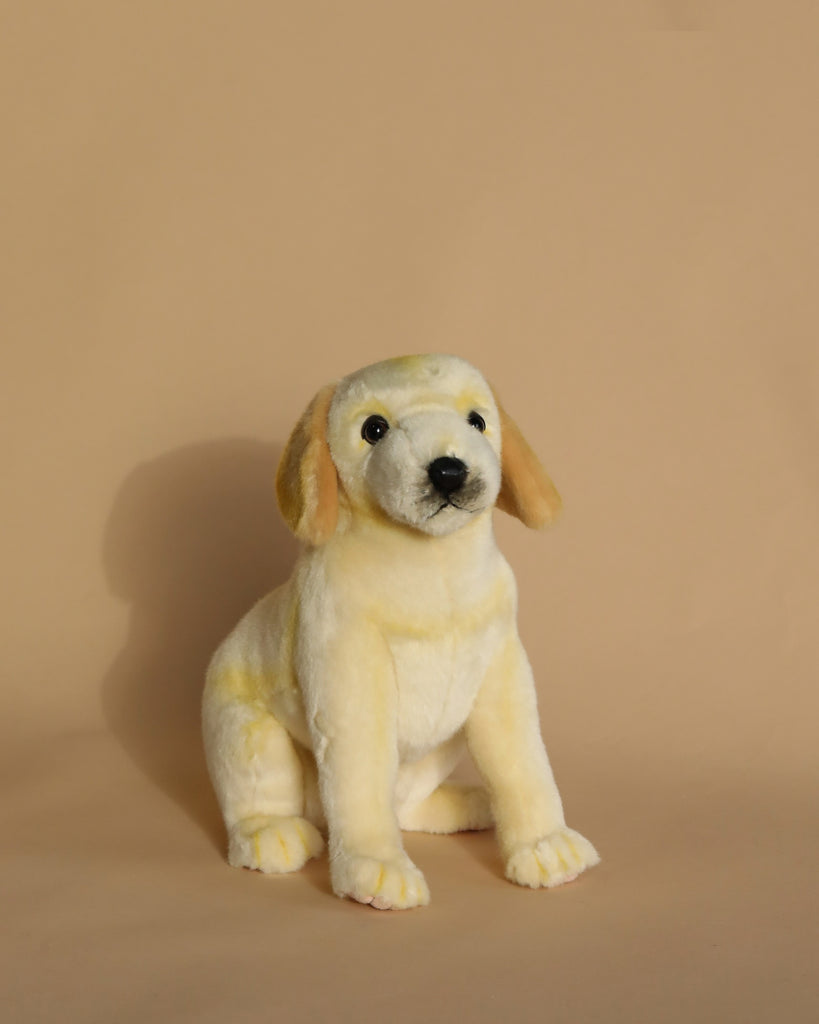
(343, 700)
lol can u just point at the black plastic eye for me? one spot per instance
(374, 428)
(474, 419)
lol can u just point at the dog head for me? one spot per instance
(420, 440)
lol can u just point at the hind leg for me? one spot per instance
(259, 780)
(452, 807)
(428, 803)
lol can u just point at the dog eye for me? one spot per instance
(474, 419)
(374, 428)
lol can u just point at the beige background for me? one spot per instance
(209, 210)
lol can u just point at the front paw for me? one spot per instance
(394, 884)
(552, 860)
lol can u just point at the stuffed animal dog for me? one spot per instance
(343, 700)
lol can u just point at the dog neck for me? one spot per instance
(396, 541)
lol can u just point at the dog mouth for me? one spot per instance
(451, 504)
(464, 499)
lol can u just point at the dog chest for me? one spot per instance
(436, 681)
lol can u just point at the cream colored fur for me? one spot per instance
(344, 699)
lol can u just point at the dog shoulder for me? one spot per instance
(256, 647)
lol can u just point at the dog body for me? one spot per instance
(344, 699)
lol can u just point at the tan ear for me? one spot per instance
(306, 480)
(526, 490)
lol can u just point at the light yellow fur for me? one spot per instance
(343, 700)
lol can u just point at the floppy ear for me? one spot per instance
(526, 490)
(306, 480)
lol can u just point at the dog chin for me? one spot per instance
(439, 523)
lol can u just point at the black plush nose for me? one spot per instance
(447, 474)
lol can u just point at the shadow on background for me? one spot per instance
(193, 540)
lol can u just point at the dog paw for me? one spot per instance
(273, 844)
(395, 884)
(552, 860)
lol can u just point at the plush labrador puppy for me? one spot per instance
(344, 699)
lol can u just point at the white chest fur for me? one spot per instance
(437, 612)
(436, 682)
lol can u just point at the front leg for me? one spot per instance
(350, 694)
(504, 739)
